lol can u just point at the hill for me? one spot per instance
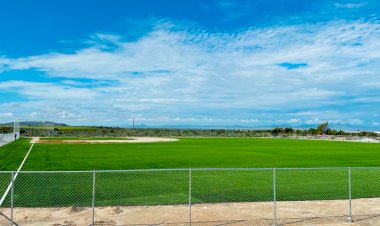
(35, 123)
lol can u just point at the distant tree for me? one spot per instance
(276, 131)
(288, 130)
(322, 128)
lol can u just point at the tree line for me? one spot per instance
(321, 129)
(72, 131)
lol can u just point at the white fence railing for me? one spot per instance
(6, 138)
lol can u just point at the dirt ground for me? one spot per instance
(130, 140)
(331, 213)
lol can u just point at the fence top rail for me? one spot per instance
(193, 169)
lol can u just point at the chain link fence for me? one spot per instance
(246, 196)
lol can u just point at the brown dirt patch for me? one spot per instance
(332, 213)
(129, 140)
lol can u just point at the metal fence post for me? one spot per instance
(12, 193)
(350, 195)
(274, 198)
(93, 197)
(190, 203)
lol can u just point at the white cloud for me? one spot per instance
(6, 114)
(294, 120)
(3, 63)
(49, 91)
(305, 113)
(188, 73)
(351, 5)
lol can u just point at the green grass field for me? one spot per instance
(171, 187)
(203, 153)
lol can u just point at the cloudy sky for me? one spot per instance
(254, 63)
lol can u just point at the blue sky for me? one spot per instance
(254, 63)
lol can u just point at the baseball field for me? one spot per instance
(146, 185)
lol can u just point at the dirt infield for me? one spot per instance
(332, 213)
(129, 140)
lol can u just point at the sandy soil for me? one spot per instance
(161, 139)
(332, 213)
(131, 140)
(34, 140)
